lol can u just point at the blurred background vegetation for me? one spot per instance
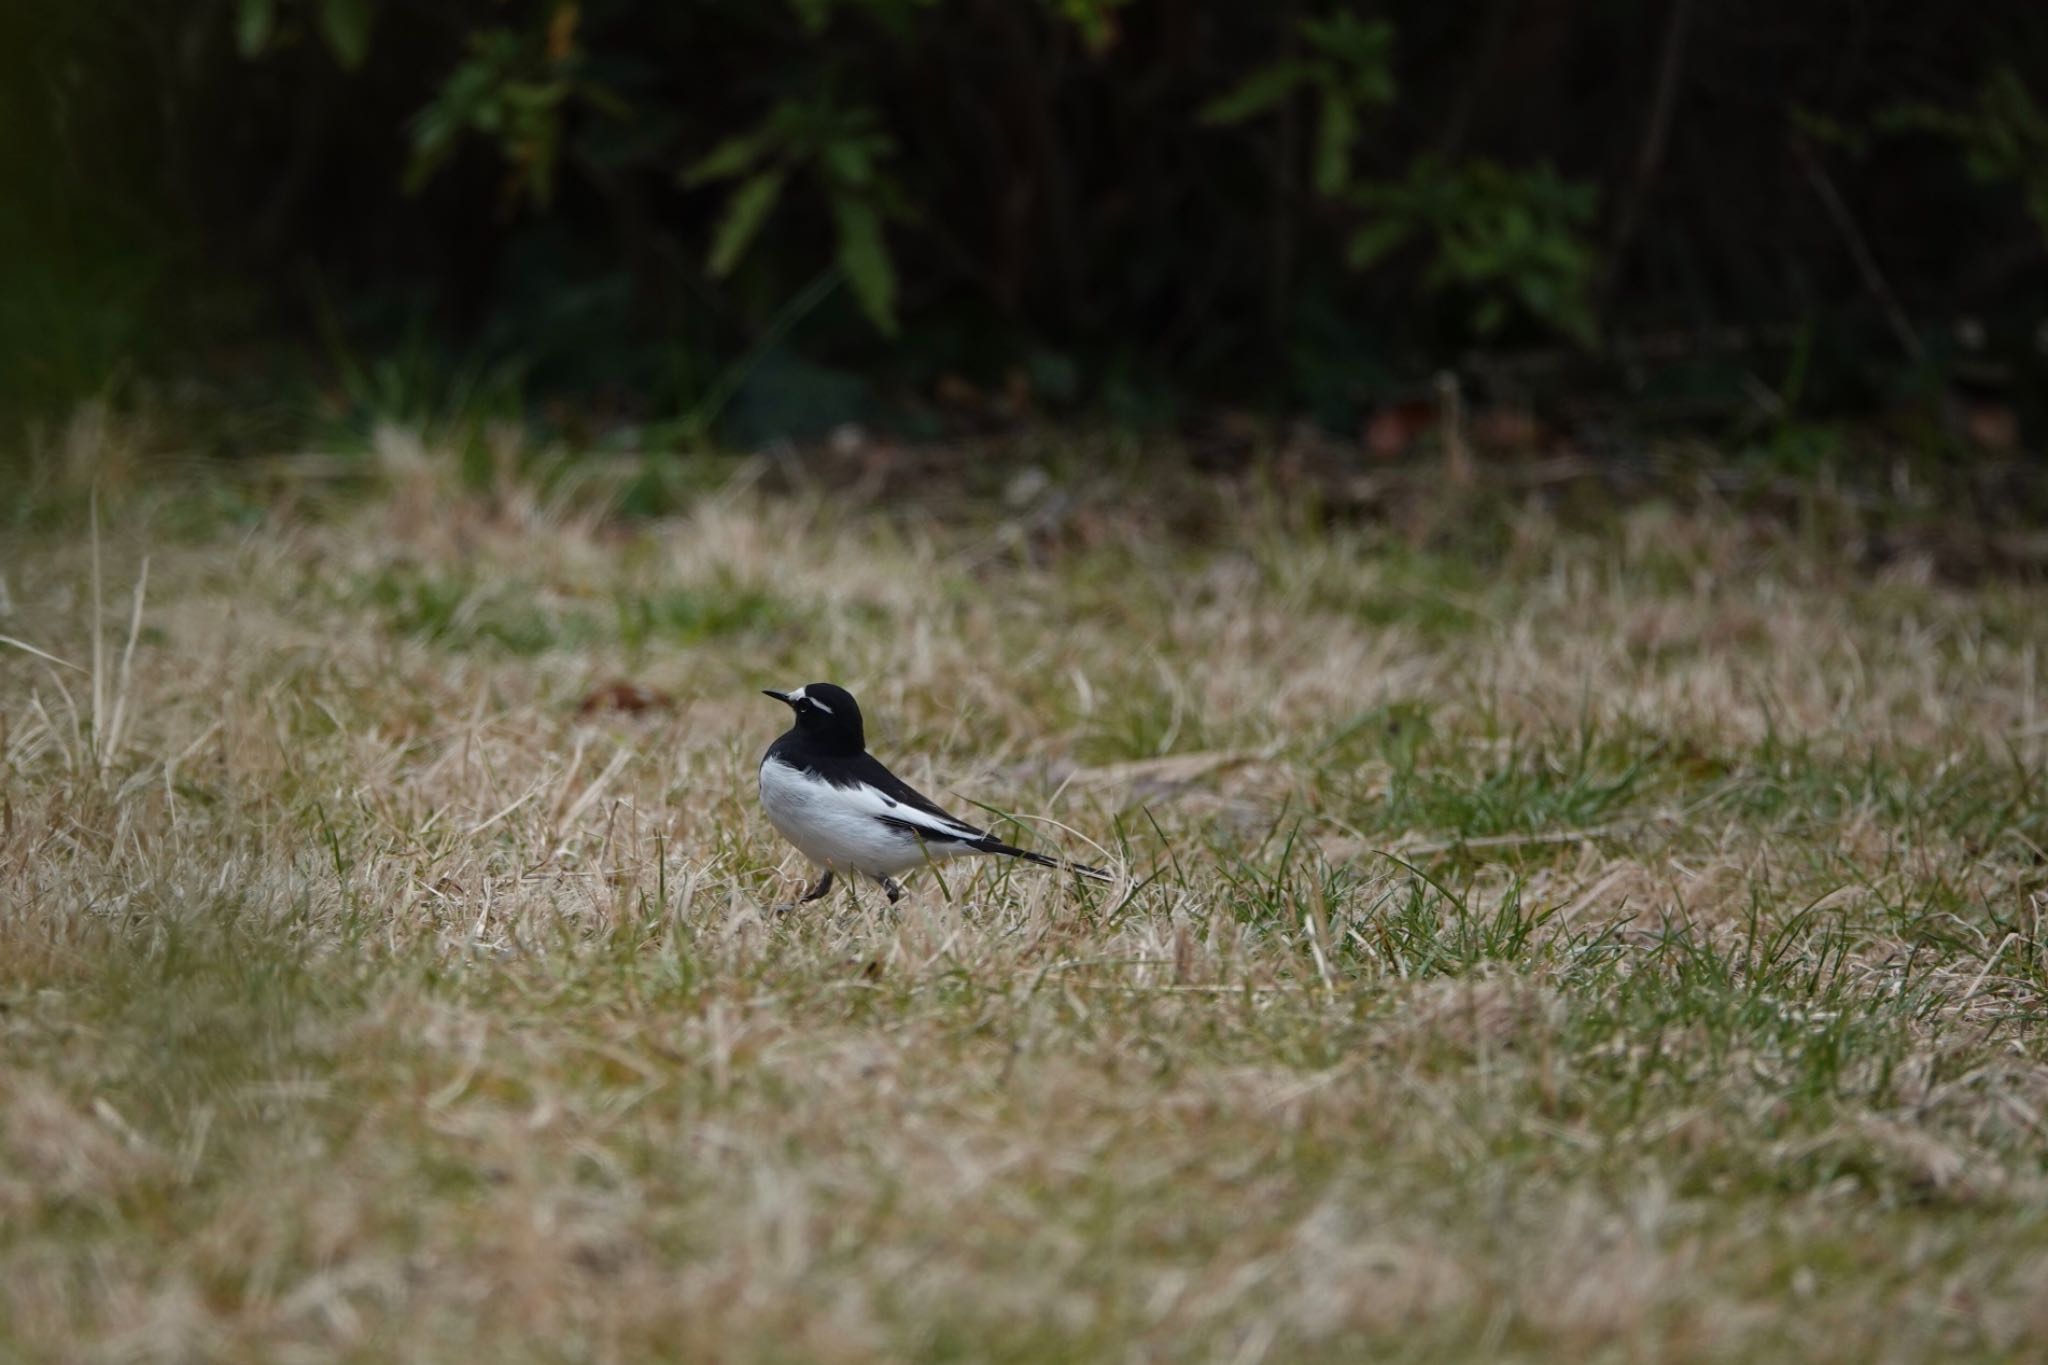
(638, 222)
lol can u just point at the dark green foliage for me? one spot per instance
(2003, 137)
(1502, 238)
(1349, 74)
(632, 204)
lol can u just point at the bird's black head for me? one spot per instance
(826, 715)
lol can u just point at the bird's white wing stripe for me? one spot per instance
(875, 803)
(858, 828)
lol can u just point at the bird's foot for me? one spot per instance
(817, 892)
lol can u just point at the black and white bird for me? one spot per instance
(825, 793)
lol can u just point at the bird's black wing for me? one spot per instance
(868, 771)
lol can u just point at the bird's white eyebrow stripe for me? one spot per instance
(798, 696)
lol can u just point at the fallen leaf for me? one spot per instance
(627, 697)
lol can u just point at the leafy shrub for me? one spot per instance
(2003, 137)
(653, 204)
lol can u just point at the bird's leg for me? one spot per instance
(894, 892)
(818, 892)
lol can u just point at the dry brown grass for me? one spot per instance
(364, 999)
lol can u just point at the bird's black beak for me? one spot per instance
(782, 697)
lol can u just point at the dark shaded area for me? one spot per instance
(1703, 215)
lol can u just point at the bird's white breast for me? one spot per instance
(838, 827)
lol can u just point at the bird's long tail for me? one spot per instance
(1078, 869)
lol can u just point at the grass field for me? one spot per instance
(1613, 936)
